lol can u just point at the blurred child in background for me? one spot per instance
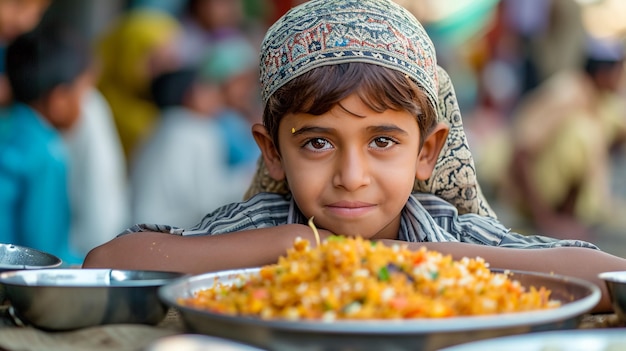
(562, 136)
(232, 64)
(16, 17)
(48, 72)
(98, 178)
(206, 21)
(181, 172)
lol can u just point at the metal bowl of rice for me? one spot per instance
(576, 297)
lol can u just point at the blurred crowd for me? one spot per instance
(146, 118)
(546, 114)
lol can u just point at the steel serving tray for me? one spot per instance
(577, 297)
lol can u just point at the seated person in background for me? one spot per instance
(98, 170)
(99, 195)
(181, 172)
(48, 71)
(563, 133)
(362, 132)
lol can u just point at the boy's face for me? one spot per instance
(240, 91)
(205, 98)
(66, 101)
(353, 168)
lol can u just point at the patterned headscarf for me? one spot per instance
(328, 32)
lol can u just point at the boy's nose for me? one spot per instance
(352, 170)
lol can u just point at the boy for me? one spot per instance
(354, 101)
(47, 71)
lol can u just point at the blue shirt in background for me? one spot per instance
(241, 146)
(34, 202)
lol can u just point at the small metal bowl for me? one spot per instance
(66, 299)
(14, 257)
(198, 342)
(616, 285)
(572, 340)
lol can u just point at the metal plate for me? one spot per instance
(563, 340)
(197, 342)
(577, 297)
(65, 299)
(14, 257)
(616, 284)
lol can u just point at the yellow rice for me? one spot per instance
(353, 278)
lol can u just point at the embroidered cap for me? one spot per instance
(327, 32)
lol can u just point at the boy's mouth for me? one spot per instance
(350, 208)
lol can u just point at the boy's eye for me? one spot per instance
(318, 144)
(382, 143)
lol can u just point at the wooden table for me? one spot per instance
(117, 337)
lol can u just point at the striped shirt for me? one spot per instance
(425, 218)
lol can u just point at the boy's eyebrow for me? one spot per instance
(385, 128)
(311, 129)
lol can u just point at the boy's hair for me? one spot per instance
(169, 89)
(319, 90)
(44, 58)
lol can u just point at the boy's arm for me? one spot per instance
(578, 262)
(198, 254)
(253, 248)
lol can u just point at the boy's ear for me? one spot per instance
(429, 154)
(270, 153)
